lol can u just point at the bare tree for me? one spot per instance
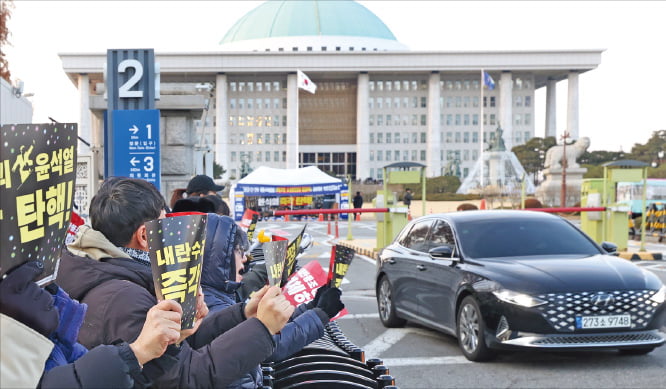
(6, 7)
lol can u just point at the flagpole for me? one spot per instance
(481, 136)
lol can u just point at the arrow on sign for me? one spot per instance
(134, 129)
(134, 161)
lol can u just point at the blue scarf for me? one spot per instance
(66, 349)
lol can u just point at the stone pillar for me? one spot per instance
(362, 127)
(85, 120)
(222, 156)
(572, 106)
(506, 108)
(292, 121)
(433, 140)
(551, 108)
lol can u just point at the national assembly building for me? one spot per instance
(376, 102)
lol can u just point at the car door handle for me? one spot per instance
(391, 261)
(421, 267)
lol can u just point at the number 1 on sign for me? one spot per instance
(150, 130)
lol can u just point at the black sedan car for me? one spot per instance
(517, 279)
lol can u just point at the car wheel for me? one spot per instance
(636, 351)
(471, 331)
(385, 305)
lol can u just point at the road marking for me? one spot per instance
(367, 259)
(325, 255)
(393, 362)
(360, 316)
(384, 341)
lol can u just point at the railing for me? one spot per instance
(329, 362)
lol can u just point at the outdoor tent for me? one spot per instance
(266, 182)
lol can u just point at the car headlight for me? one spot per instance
(660, 296)
(524, 300)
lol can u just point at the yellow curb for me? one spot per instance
(641, 256)
(360, 250)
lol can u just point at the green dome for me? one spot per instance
(307, 18)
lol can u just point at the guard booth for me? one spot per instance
(613, 226)
(391, 223)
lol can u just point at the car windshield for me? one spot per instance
(521, 237)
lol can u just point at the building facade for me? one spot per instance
(376, 102)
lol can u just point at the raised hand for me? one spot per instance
(253, 304)
(23, 300)
(330, 302)
(274, 309)
(161, 328)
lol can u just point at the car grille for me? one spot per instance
(616, 339)
(562, 308)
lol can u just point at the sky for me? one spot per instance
(621, 102)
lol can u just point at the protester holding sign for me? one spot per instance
(40, 327)
(31, 326)
(225, 246)
(108, 267)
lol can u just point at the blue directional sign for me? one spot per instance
(136, 140)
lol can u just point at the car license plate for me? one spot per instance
(608, 321)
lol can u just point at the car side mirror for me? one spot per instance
(610, 248)
(441, 252)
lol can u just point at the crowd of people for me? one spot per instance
(100, 323)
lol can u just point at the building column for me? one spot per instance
(362, 127)
(222, 156)
(85, 118)
(572, 106)
(506, 109)
(551, 108)
(433, 139)
(292, 121)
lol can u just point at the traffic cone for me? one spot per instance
(358, 217)
(321, 217)
(483, 204)
(286, 218)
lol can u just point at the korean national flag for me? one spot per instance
(305, 83)
(488, 81)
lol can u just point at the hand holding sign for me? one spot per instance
(161, 328)
(274, 254)
(341, 258)
(176, 251)
(274, 309)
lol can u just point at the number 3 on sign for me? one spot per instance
(149, 164)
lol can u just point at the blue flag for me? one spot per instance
(488, 81)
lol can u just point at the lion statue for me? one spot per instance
(574, 151)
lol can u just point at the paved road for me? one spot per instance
(423, 358)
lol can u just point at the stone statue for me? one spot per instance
(573, 152)
(497, 144)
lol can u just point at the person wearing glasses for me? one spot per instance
(221, 277)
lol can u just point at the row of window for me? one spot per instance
(519, 119)
(394, 155)
(259, 156)
(397, 85)
(335, 158)
(518, 83)
(258, 139)
(259, 86)
(473, 137)
(258, 103)
(395, 137)
(397, 120)
(374, 86)
(398, 102)
(380, 102)
(257, 121)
